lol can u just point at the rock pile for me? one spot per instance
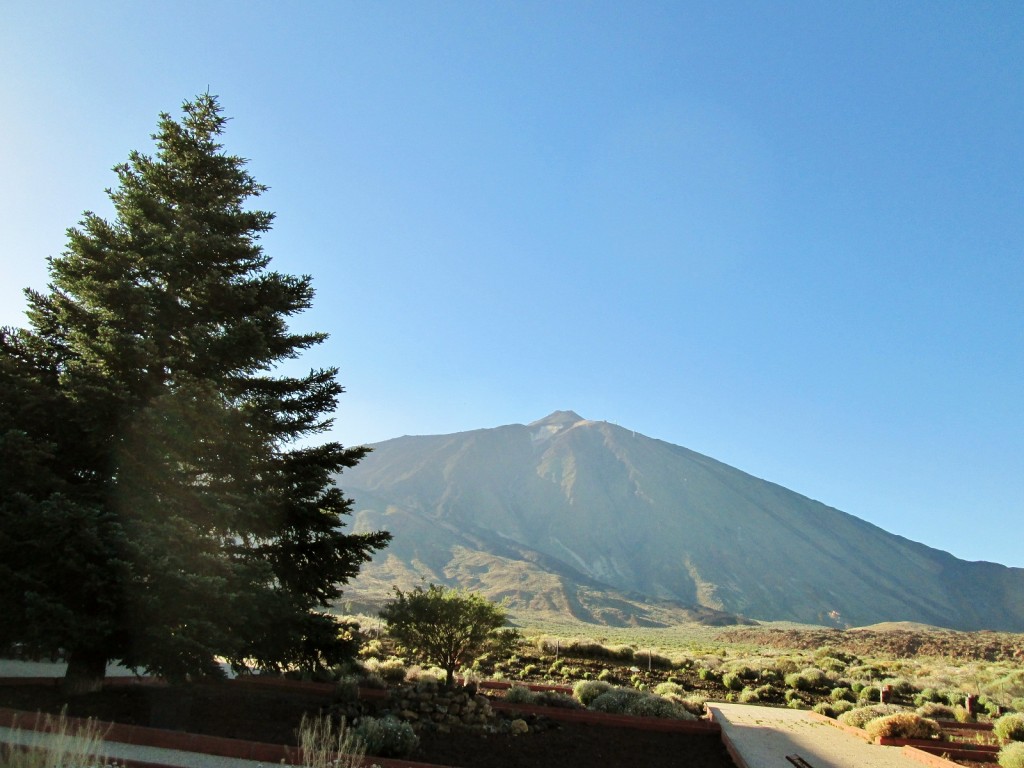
(429, 703)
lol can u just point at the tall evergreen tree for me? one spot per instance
(163, 501)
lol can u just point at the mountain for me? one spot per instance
(567, 516)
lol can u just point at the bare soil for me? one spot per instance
(242, 712)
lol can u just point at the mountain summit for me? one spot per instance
(588, 519)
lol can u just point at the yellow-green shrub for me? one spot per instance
(902, 725)
(1010, 727)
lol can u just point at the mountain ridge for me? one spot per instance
(606, 523)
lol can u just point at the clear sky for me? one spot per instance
(786, 235)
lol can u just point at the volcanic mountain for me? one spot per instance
(588, 519)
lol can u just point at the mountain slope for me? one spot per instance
(590, 519)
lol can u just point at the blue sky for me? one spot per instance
(786, 235)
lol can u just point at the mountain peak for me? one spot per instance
(558, 419)
(552, 424)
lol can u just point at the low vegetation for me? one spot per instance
(1012, 755)
(58, 745)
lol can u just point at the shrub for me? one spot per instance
(767, 692)
(320, 744)
(745, 673)
(386, 736)
(65, 747)
(605, 674)
(373, 680)
(392, 670)
(962, 714)
(1012, 755)
(706, 674)
(902, 725)
(749, 696)
(839, 707)
(613, 701)
(555, 699)
(1010, 727)
(900, 685)
(417, 674)
(797, 682)
(937, 711)
(861, 716)
(732, 682)
(519, 694)
(815, 677)
(796, 704)
(625, 701)
(695, 704)
(869, 693)
(824, 708)
(830, 664)
(842, 694)
(651, 705)
(928, 695)
(669, 689)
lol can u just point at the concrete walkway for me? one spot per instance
(135, 753)
(762, 737)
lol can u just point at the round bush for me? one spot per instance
(732, 682)
(902, 725)
(869, 693)
(1012, 755)
(626, 701)
(1010, 727)
(842, 694)
(928, 695)
(749, 696)
(555, 699)
(839, 707)
(387, 736)
(614, 701)
(937, 711)
(861, 716)
(814, 677)
(651, 705)
(824, 708)
(588, 690)
(695, 704)
(519, 694)
(797, 682)
(669, 689)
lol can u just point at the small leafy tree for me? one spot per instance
(442, 626)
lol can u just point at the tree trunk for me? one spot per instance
(86, 670)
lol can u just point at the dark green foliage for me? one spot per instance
(162, 502)
(386, 736)
(588, 690)
(442, 626)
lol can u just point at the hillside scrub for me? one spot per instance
(1012, 755)
(1010, 727)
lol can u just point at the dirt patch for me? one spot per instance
(243, 712)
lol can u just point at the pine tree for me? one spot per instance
(165, 504)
